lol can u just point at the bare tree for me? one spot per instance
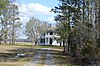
(34, 28)
(14, 23)
(9, 23)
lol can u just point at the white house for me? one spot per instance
(49, 38)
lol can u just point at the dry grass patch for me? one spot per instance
(8, 55)
(12, 64)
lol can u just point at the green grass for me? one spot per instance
(24, 45)
(55, 47)
(38, 47)
(19, 44)
(30, 45)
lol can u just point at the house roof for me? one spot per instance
(52, 28)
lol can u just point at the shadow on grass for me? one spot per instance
(59, 58)
(63, 59)
(11, 55)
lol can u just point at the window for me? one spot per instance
(42, 40)
(46, 39)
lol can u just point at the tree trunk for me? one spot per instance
(60, 44)
(98, 18)
(13, 36)
(64, 49)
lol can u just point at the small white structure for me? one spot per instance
(49, 38)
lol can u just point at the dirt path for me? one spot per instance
(49, 59)
(39, 61)
(35, 61)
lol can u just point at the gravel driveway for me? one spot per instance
(37, 61)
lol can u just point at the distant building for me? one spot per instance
(49, 38)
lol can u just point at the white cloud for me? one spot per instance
(32, 9)
(51, 19)
(26, 11)
(38, 8)
(29, 10)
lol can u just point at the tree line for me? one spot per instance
(78, 24)
(9, 22)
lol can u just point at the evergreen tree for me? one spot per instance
(76, 24)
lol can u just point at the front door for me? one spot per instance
(50, 41)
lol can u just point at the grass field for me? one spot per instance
(30, 45)
(8, 53)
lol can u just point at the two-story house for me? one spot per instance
(49, 38)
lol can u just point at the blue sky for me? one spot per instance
(48, 3)
(39, 9)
